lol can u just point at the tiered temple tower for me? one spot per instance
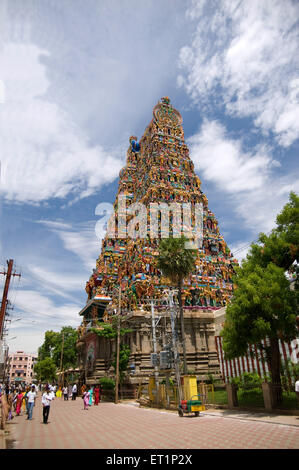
(159, 170)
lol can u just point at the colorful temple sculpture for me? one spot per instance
(159, 173)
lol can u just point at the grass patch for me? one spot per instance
(252, 398)
(219, 397)
(290, 401)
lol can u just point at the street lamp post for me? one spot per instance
(61, 356)
(175, 348)
(155, 351)
(118, 346)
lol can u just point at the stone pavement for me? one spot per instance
(274, 418)
(127, 426)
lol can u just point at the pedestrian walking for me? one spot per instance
(97, 391)
(74, 392)
(70, 391)
(83, 389)
(46, 400)
(14, 400)
(90, 395)
(86, 400)
(19, 402)
(24, 403)
(52, 393)
(31, 396)
(65, 393)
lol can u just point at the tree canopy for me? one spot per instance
(45, 370)
(52, 347)
(263, 304)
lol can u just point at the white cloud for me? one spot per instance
(43, 153)
(80, 239)
(41, 308)
(255, 192)
(244, 55)
(39, 314)
(222, 160)
(61, 284)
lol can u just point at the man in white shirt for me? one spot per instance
(46, 400)
(74, 390)
(52, 393)
(31, 396)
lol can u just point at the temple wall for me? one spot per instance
(200, 345)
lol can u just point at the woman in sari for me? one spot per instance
(59, 393)
(86, 400)
(96, 395)
(24, 403)
(90, 391)
(19, 402)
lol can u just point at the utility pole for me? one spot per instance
(8, 275)
(61, 356)
(118, 346)
(155, 351)
(175, 349)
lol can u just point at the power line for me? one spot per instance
(248, 244)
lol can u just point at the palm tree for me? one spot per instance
(176, 262)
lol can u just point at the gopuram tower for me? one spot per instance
(158, 172)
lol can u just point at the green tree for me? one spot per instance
(68, 336)
(281, 247)
(48, 346)
(109, 330)
(124, 356)
(45, 370)
(52, 347)
(176, 262)
(263, 304)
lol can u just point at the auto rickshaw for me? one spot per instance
(194, 405)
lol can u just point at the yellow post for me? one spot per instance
(162, 395)
(190, 387)
(151, 387)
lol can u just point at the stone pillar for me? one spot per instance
(206, 336)
(133, 342)
(267, 395)
(232, 397)
(138, 341)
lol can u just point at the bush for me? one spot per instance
(247, 381)
(107, 383)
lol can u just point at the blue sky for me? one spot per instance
(78, 78)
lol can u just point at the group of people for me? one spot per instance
(91, 395)
(22, 399)
(19, 399)
(69, 391)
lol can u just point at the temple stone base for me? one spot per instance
(96, 353)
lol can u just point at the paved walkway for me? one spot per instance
(126, 426)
